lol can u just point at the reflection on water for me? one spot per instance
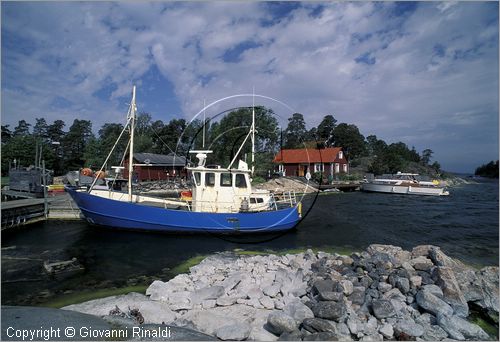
(464, 224)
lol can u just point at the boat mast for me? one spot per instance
(133, 109)
(253, 131)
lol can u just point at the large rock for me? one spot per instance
(445, 279)
(434, 333)
(298, 310)
(209, 321)
(460, 329)
(383, 308)
(151, 311)
(321, 336)
(279, 322)
(329, 310)
(211, 292)
(318, 325)
(397, 253)
(234, 332)
(409, 328)
(431, 303)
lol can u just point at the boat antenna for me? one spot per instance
(204, 107)
(253, 130)
(132, 112)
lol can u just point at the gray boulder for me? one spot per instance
(452, 294)
(330, 295)
(460, 329)
(321, 336)
(234, 332)
(211, 292)
(298, 310)
(329, 310)
(429, 302)
(408, 327)
(318, 325)
(279, 322)
(383, 308)
(291, 336)
(434, 333)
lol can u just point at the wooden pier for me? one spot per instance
(20, 212)
(30, 210)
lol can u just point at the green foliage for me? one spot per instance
(6, 134)
(22, 129)
(295, 131)
(74, 143)
(227, 135)
(325, 129)
(350, 139)
(489, 170)
(426, 156)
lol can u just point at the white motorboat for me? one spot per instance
(404, 183)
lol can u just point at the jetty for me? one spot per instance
(20, 212)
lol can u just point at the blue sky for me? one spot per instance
(425, 73)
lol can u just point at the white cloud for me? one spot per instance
(434, 69)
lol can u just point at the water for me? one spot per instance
(464, 225)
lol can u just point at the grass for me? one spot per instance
(185, 265)
(80, 297)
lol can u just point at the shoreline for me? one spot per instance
(383, 292)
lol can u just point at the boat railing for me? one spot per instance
(283, 199)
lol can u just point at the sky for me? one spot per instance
(425, 73)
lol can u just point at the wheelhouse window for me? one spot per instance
(240, 180)
(197, 178)
(209, 179)
(254, 200)
(226, 179)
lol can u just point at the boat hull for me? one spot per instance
(403, 189)
(125, 215)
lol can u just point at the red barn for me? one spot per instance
(152, 166)
(297, 162)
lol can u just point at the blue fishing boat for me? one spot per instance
(221, 200)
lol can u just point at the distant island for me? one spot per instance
(489, 170)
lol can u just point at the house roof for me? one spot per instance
(160, 159)
(307, 155)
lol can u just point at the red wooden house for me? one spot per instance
(152, 166)
(297, 162)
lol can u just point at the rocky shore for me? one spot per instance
(383, 293)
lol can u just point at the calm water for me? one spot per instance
(464, 224)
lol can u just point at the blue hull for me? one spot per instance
(126, 215)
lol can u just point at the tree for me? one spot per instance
(227, 135)
(489, 170)
(55, 131)
(295, 131)
(426, 156)
(40, 130)
(22, 129)
(375, 146)
(350, 139)
(325, 129)
(74, 143)
(6, 134)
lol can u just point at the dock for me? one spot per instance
(20, 212)
(342, 186)
(25, 211)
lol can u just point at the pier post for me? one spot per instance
(44, 182)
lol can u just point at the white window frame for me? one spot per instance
(319, 167)
(341, 155)
(344, 168)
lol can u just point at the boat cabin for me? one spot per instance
(226, 190)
